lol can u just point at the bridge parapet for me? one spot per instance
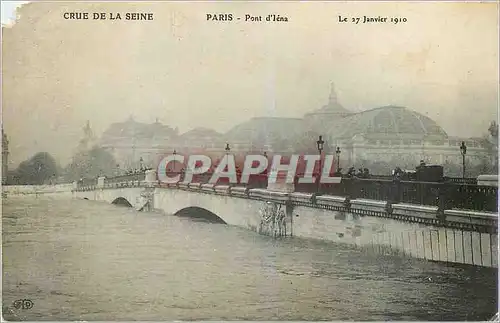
(367, 207)
(279, 196)
(100, 182)
(208, 187)
(131, 180)
(430, 231)
(194, 185)
(299, 198)
(336, 203)
(441, 195)
(150, 176)
(477, 221)
(222, 189)
(259, 193)
(239, 191)
(108, 185)
(413, 211)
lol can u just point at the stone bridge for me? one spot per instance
(455, 236)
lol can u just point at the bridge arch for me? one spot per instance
(196, 212)
(121, 201)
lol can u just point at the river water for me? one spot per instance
(86, 260)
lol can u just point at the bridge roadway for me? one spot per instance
(425, 232)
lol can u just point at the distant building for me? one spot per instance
(390, 134)
(5, 157)
(266, 134)
(200, 138)
(320, 119)
(130, 141)
(88, 140)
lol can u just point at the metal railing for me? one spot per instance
(445, 195)
(459, 180)
(88, 182)
(254, 181)
(456, 180)
(140, 176)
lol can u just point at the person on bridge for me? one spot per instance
(397, 173)
(351, 172)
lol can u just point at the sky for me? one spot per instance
(189, 72)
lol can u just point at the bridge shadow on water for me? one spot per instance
(121, 202)
(199, 214)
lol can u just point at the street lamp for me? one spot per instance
(320, 144)
(463, 151)
(174, 153)
(337, 152)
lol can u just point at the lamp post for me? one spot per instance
(463, 151)
(337, 152)
(227, 149)
(320, 144)
(174, 153)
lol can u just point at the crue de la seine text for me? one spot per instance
(108, 16)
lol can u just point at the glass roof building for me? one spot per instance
(391, 134)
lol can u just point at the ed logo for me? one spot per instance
(24, 304)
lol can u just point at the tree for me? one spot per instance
(493, 130)
(91, 164)
(37, 170)
(490, 143)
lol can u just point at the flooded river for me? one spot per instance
(85, 260)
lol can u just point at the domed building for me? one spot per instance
(201, 138)
(321, 119)
(390, 134)
(385, 132)
(263, 134)
(133, 143)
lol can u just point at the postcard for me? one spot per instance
(249, 161)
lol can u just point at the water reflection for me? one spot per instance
(83, 260)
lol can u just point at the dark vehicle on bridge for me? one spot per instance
(431, 173)
(422, 173)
